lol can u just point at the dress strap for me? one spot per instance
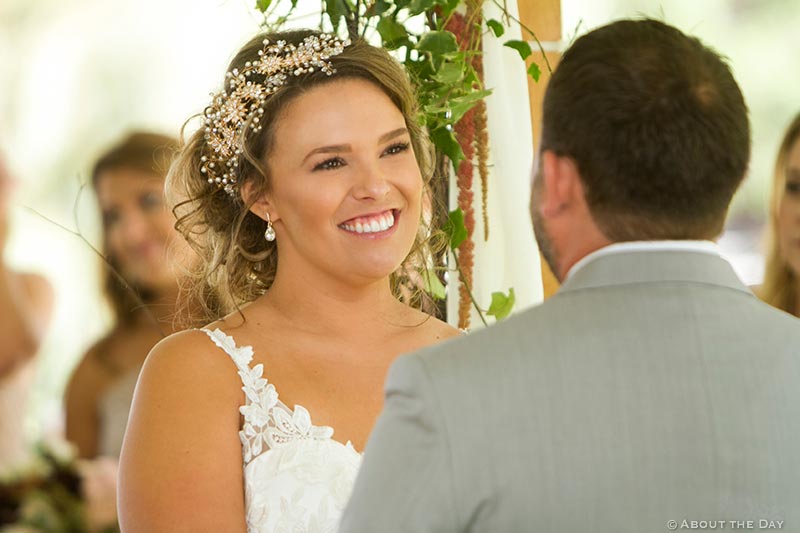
(261, 398)
(268, 422)
(241, 356)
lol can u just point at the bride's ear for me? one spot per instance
(259, 202)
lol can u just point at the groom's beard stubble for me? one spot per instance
(545, 245)
(540, 229)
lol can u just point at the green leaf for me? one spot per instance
(455, 228)
(336, 10)
(448, 6)
(420, 70)
(449, 73)
(445, 140)
(501, 304)
(438, 43)
(474, 96)
(433, 284)
(263, 5)
(392, 33)
(378, 8)
(420, 6)
(471, 78)
(497, 27)
(534, 71)
(522, 47)
(461, 104)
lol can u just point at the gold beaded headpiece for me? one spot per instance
(240, 107)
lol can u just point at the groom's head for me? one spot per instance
(645, 136)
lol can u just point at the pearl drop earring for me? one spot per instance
(269, 235)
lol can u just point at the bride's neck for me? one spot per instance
(331, 307)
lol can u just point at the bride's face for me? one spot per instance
(346, 187)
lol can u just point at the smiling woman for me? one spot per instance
(321, 193)
(304, 195)
(144, 250)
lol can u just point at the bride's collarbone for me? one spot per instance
(362, 347)
(330, 373)
(328, 370)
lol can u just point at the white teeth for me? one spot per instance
(382, 223)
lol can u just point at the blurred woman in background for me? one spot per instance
(781, 288)
(145, 255)
(25, 306)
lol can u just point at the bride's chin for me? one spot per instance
(375, 272)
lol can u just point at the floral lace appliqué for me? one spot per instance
(295, 426)
(297, 478)
(268, 423)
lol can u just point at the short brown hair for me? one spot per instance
(657, 126)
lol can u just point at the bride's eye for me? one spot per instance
(330, 164)
(397, 148)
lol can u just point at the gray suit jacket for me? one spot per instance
(653, 387)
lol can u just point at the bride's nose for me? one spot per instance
(371, 183)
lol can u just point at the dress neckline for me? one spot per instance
(253, 377)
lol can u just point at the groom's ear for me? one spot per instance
(562, 184)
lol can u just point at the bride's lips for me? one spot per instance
(372, 225)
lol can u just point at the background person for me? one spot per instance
(26, 302)
(780, 287)
(141, 244)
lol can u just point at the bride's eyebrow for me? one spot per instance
(339, 148)
(392, 134)
(332, 149)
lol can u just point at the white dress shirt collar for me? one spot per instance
(707, 247)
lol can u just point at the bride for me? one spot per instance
(304, 194)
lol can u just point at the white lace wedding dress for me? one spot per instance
(296, 477)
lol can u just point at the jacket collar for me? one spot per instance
(641, 266)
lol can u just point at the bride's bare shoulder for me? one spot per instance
(434, 329)
(444, 330)
(190, 359)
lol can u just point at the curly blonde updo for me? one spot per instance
(238, 265)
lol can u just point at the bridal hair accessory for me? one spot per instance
(239, 108)
(270, 233)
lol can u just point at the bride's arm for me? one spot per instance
(181, 462)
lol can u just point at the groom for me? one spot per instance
(654, 392)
